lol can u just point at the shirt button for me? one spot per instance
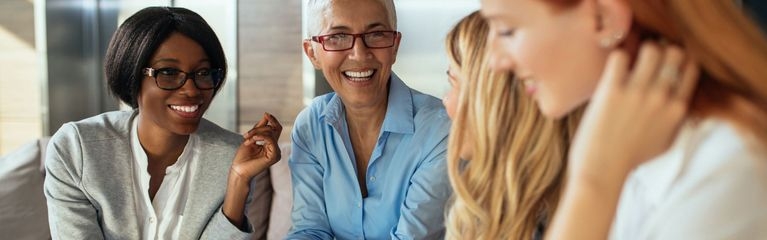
(372, 179)
(151, 220)
(359, 205)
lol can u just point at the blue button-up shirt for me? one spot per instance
(406, 178)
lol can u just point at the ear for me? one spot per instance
(396, 45)
(309, 51)
(614, 19)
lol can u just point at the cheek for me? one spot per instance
(450, 102)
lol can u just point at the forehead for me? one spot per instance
(355, 15)
(494, 10)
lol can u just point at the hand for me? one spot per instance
(259, 150)
(634, 115)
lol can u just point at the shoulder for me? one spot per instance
(104, 126)
(211, 133)
(310, 116)
(429, 113)
(716, 147)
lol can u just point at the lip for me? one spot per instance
(187, 115)
(358, 83)
(531, 86)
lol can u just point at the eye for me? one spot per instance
(506, 32)
(168, 71)
(202, 72)
(337, 37)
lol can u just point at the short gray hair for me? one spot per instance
(316, 9)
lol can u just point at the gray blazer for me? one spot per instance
(89, 181)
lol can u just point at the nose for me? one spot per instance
(500, 57)
(359, 50)
(189, 88)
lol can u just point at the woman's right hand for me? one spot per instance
(635, 114)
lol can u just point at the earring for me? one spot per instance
(609, 42)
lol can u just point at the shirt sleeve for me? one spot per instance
(70, 213)
(422, 214)
(220, 227)
(309, 217)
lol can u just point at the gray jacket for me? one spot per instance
(89, 181)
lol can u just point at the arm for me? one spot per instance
(70, 214)
(253, 158)
(310, 220)
(637, 112)
(423, 212)
(220, 227)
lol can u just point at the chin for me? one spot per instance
(553, 111)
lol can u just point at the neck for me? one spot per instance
(160, 144)
(366, 119)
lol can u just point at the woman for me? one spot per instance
(367, 160)
(679, 137)
(159, 171)
(510, 185)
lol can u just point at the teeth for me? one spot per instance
(364, 74)
(185, 108)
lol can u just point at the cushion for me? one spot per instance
(282, 198)
(23, 210)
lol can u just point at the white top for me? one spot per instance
(709, 185)
(163, 216)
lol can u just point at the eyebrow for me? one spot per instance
(173, 60)
(369, 26)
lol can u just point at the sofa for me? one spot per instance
(24, 215)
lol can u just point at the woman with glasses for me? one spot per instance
(368, 160)
(159, 171)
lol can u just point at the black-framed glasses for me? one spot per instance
(172, 78)
(345, 41)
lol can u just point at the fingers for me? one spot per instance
(689, 81)
(267, 122)
(265, 142)
(274, 124)
(667, 76)
(615, 70)
(663, 69)
(646, 66)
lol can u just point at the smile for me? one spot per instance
(186, 109)
(359, 76)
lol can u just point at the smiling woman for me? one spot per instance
(137, 174)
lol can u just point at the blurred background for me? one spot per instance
(51, 54)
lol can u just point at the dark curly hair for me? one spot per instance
(136, 40)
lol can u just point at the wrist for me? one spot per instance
(599, 172)
(237, 180)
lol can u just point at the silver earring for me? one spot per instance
(609, 42)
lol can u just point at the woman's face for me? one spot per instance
(360, 75)
(450, 100)
(553, 51)
(175, 111)
(451, 106)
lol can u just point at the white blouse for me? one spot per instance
(710, 185)
(163, 216)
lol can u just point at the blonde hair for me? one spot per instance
(513, 181)
(316, 10)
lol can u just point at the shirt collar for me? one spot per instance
(399, 111)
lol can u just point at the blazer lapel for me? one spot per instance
(208, 184)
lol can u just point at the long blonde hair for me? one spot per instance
(513, 181)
